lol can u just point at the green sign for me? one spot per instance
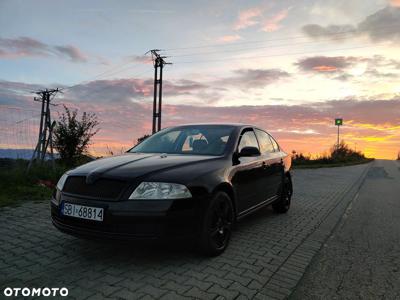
(338, 122)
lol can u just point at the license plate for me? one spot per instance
(82, 212)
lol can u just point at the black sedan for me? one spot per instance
(192, 181)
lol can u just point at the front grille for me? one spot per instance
(101, 188)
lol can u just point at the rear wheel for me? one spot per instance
(217, 225)
(282, 205)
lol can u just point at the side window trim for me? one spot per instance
(244, 130)
(274, 143)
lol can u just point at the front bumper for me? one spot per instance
(132, 219)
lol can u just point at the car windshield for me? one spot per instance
(191, 140)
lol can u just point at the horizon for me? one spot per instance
(289, 67)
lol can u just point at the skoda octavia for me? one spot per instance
(192, 181)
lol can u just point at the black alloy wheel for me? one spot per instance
(282, 205)
(217, 225)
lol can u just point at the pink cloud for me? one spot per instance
(229, 38)
(308, 128)
(373, 125)
(273, 23)
(28, 47)
(144, 59)
(248, 18)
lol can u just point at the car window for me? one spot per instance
(190, 139)
(196, 140)
(264, 141)
(248, 139)
(275, 144)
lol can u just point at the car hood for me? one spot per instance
(136, 165)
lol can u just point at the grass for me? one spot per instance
(316, 164)
(17, 185)
(340, 155)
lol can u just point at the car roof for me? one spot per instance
(216, 124)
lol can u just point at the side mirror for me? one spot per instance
(249, 151)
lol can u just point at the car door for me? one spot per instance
(278, 165)
(270, 170)
(248, 171)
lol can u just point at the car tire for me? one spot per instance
(217, 225)
(282, 205)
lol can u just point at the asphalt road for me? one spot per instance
(361, 259)
(267, 257)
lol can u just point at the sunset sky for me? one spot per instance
(289, 66)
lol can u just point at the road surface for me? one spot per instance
(266, 259)
(361, 260)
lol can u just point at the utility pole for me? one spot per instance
(46, 127)
(158, 63)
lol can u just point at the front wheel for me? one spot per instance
(282, 205)
(217, 225)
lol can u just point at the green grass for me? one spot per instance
(16, 185)
(311, 164)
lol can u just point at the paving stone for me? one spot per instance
(199, 294)
(266, 258)
(227, 293)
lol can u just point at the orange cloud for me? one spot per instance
(395, 3)
(308, 129)
(273, 23)
(372, 126)
(325, 68)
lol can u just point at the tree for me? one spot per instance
(72, 136)
(343, 153)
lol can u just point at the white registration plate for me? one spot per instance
(82, 212)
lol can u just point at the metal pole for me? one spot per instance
(46, 126)
(160, 97)
(338, 136)
(155, 96)
(41, 126)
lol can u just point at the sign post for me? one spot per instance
(338, 123)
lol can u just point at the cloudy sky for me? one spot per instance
(289, 66)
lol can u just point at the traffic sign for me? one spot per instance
(339, 122)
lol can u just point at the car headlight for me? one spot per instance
(160, 190)
(61, 182)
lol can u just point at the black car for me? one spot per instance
(192, 181)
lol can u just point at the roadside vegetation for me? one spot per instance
(72, 138)
(338, 156)
(18, 185)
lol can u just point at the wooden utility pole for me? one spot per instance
(158, 62)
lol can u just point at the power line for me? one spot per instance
(115, 70)
(276, 55)
(255, 48)
(272, 40)
(17, 108)
(106, 87)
